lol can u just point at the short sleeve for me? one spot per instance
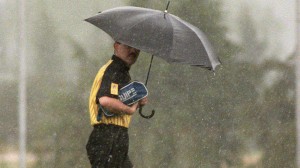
(109, 86)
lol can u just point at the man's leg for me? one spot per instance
(119, 152)
(99, 146)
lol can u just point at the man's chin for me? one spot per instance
(132, 61)
(133, 58)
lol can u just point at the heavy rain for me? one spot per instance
(242, 115)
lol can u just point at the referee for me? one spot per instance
(108, 143)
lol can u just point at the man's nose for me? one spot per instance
(135, 50)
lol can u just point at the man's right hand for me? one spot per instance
(116, 106)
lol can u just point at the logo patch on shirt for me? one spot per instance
(114, 89)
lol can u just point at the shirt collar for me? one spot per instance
(120, 62)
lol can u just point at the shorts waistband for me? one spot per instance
(109, 126)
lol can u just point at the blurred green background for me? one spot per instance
(241, 116)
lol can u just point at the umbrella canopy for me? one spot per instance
(159, 33)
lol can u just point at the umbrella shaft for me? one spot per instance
(149, 71)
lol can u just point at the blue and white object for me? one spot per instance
(132, 93)
(129, 94)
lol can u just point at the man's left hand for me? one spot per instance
(143, 101)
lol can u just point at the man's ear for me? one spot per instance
(116, 44)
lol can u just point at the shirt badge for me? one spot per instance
(114, 89)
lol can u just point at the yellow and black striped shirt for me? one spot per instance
(109, 79)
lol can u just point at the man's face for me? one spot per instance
(126, 53)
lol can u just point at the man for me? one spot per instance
(108, 143)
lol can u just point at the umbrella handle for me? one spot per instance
(144, 116)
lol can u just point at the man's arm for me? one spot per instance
(116, 106)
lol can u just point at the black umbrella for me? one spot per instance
(160, 33)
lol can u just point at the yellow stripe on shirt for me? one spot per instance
(120, 120)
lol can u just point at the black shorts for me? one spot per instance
(107, 147)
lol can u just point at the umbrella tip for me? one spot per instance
(166, 11)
